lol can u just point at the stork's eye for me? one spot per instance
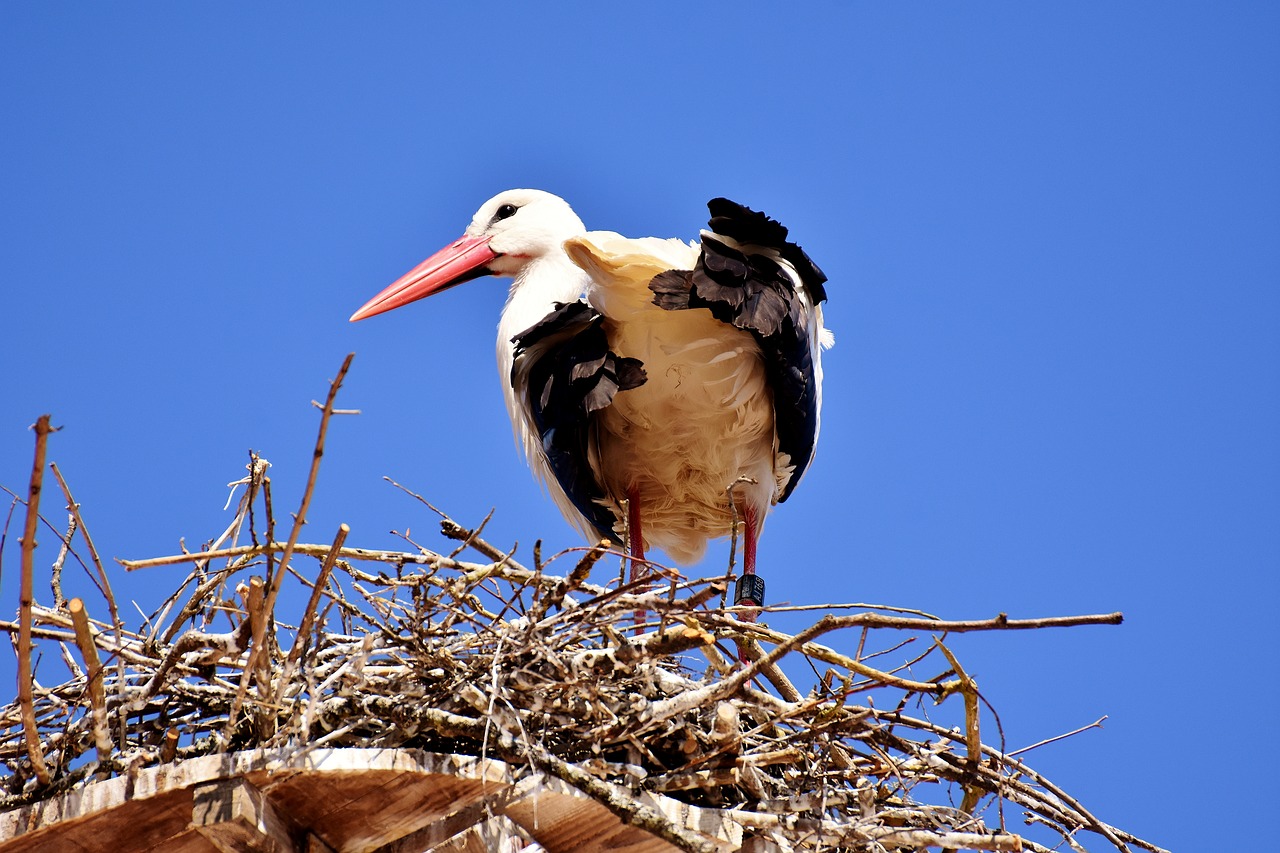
(506, 211)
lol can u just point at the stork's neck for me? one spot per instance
(534, 292)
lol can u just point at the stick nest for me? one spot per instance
(545, 670)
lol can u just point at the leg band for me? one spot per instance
(749, 590)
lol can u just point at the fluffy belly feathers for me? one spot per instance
(703, 420)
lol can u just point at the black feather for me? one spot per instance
(671, 289)
(570, 374)
(748, 226)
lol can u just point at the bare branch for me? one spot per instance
(29, 725)
(93, 676)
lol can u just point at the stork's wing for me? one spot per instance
(749, 275)
(565, 371)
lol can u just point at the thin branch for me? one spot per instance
(249, 551)
(55, 578)
(1096, 724)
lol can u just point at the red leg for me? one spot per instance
(635, 548)
(750, 587)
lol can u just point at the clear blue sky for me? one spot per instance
(1053, 237)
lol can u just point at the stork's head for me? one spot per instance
(509, 231)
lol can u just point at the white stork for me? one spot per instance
(661, 390)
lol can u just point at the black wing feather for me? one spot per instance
(569, 374)
(748, 226)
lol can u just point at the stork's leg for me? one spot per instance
(635, 548)
(750, 590)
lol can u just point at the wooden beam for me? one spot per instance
(493, 834)
(315, 844)
(236, 817)
(459, 822)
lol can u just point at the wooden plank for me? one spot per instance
(362, 799)
(237, 818)
(563, 819)
(363, 811)
(314, 844)
(564, 823)
(347, 799)
(495, 835)
(441, 832)
(131, 825)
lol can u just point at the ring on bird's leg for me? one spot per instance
(749, 590)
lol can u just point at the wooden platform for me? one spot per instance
(339, 801)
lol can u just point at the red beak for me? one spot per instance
(460, 261)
